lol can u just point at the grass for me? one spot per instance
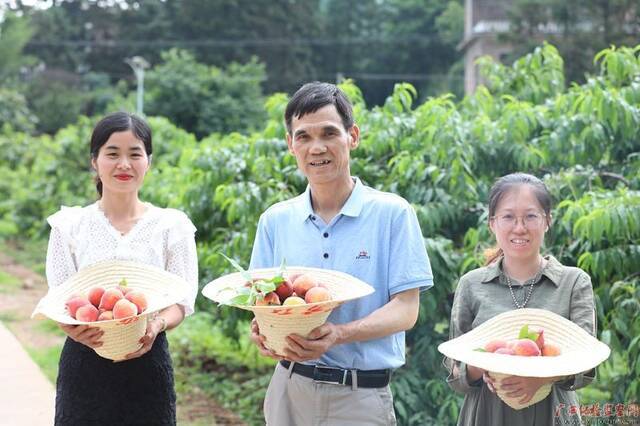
(48, 327)
(9, 316)
(8, 283)
(47, 360)
(30, 253)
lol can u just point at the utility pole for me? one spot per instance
(138, 64)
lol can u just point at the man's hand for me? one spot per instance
(259, 340)
(524, 387)
(88, 336)
(319, 341)
(154, 328)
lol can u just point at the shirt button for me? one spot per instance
(326, 255)
(313, 218)
(326, 234)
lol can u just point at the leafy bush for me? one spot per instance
(205, 99)
(443, 157)
(14, 112)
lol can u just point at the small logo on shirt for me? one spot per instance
(363, 255)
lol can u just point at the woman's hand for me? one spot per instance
(523, 387)
(489, 381)
(154, 327)
(88, 336)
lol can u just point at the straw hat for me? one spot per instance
(277, 322)
(122, 336)
(580, 351)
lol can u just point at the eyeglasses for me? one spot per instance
(529, 221)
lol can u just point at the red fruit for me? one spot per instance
(270, 298)
(137, 298)
(87, 313)
(504, 351)
(109, 298)
(95, 294)
(76, 302)
(540, 339)
(105, 316)
(494, 345)
(124, 309)
(303, 283)
(526, 347)
(317, 294)
(284, 289)
(293, 277)
(550, 349)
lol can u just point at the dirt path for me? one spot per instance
(16, 306)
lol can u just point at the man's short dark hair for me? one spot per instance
(313, 96)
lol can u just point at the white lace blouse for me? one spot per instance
(82, 236)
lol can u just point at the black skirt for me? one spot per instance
(95, 391)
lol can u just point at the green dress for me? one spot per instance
(482, 294)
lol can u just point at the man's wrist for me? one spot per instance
(343, 331)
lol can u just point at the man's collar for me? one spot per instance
(354, 203)
(552, 270)
(352, 207)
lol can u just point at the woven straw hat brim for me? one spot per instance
(580, 351)
(161, 288)
(277, 322)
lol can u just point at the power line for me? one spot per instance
(284, 42)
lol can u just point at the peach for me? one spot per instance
(495, 344)
(105, 316)
(549, 349)
(317, 294)
(540, 339)
(95, 294)
(270, 298)
(137, 298)
(526, 347)
(284, 289)
(303, 283)
(124, 309)
(87, 313)
(292, 278)
(504, 351)
(76, 302)
(293, 300)
(109, 298)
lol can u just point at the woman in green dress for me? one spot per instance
(517, 275)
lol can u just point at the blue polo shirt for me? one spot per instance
(375, 237)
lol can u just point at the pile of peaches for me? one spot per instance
(100, 304)
(530, 342)
(296, 289)
(281, 289)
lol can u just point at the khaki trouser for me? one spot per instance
(295, 400)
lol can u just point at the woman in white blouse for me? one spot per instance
(92, 390)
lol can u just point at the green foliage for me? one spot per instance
(15, 113)
(442, 156)
(56, 103)
(579, 29)
(229, 370)
(206, 99)
(15, 32)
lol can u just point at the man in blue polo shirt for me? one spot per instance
(339, 374)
